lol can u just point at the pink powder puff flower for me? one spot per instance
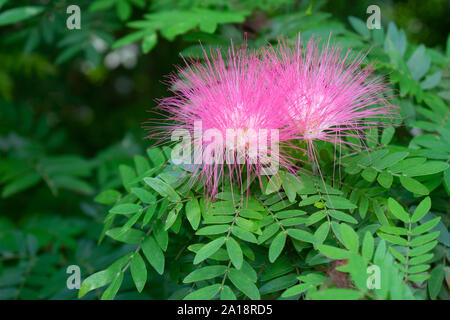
(234, 91)
(331, 95)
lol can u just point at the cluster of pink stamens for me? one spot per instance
(305, 93)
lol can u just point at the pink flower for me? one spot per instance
(225, 93)
(330, 94)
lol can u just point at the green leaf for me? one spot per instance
(436, 280)
(336, 294)
(127, 236)
(176, 227)
(394, 230)
(420, 259)
(289, 214)
(144, 195)
(395, 40)
(425, 226)
(149, 41)
(154, 254)
(296, 290)
(248, 270)
(422, 249)
(128, 175)
(359, 26)
(310, 200)
(234, 252)
(113, 288)
(400, 257)
(424, 239)
(413, 186)
(369, 174)
(427, 168)
(127, 208)
(68, 53)
(342, 216)
(132, 37)
(211, 230)
(431, 81)
(138, 271)
(123, 10)
(419, 63)
(171, 218)
(18, 14)
(336, 202)
(350, 237)
(148, 214)
(227, 293)
(107, 197)
(277, 245)
(421, 210)
(372, 137)
(314, 279)
(156, 155)
(193, 213)
(172, 23)
(101, 5)
(96, 280)
(274, 184)
(363, 207)
(418, 269)
(367, 246)
(447, 180)
(315, 217)
(249, 213)
(161, 235)
(245, 224)
(385, 179)
(24, 182)
(380, 214)
(162, 188)
(333, 252)
(357, 268)
(278, 284)
(268, 232)
(419, 277)
(393, 239)
(208, 249)
(290, 186)
(141, 163)
(244, 284)
(387, 135)
(205, 273)
(2, 3)
(321, 233)
(243, 234)
(218, 219)
(380, 252)
(301, 235)
(397, 210)
(205, 293)
(129, 223)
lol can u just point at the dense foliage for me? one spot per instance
(77, 190)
